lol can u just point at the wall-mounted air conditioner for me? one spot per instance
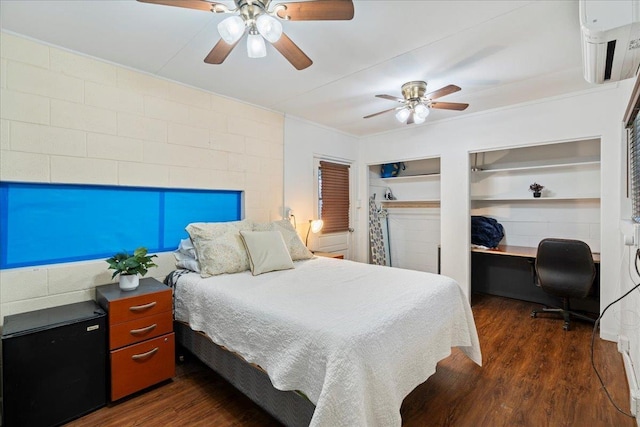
(610, 39)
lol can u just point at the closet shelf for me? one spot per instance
(534, 167)
(433, 203)
(533, 199)
(411, 178)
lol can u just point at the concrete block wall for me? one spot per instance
(69, 118)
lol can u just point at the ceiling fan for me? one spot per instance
(416, 104)
(263, 22)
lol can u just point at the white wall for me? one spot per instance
(414, 236)
(303, 142)
(593, 114)
(67, 118)
(526, 223)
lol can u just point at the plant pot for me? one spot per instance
(129, 282)
(537, 194)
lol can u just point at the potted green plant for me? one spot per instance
(537, 189)
(131, 267)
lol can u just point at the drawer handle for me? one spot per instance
(143, 330)
(143, 355)
(142, 307)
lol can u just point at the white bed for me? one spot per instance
(354, 338)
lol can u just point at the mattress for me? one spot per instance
(354, 338)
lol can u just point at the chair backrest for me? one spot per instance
(565, 267)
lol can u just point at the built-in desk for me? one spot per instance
(520, 251)
(509, 271)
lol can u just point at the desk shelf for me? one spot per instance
(509, 272)
(520, 251)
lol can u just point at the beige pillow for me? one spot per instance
(296, 248)
(219, 246)
(267, 251)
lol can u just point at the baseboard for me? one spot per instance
(634, 390)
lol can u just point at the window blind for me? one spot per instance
(632, 123)
(333, 184)
(43, 223)
(634, 156)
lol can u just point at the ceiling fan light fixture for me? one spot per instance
(420, 112)
(269, 27)
(256, 47)
(231, 29)
(403, 114)
(417, 119)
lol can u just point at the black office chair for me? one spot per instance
(565, 269)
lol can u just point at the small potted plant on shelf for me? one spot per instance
(537, 189)
(131, 267)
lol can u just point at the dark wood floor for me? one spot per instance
(534, 374)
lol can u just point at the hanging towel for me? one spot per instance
(375, 235)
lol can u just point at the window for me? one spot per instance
(333, 196)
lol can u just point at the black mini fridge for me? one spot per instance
(54, 364)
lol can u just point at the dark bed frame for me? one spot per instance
(291, 408)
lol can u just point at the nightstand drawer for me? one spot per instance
(140, 329)
(136, 307)
(141, 365)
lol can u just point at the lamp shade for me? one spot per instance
(255, 46)
(402, 115)
(315, 225)
(421, 112)
(231, 29)
(269, 27)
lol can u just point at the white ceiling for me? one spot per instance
(499, 52)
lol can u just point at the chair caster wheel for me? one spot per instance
(534, 314)
(565, 326)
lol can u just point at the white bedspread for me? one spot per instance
(354, 338)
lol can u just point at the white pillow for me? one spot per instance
(219, 247)
(267, 251)
(186, 256)
(186, 247)
(296, 248)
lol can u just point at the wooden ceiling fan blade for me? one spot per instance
(220, 52)
(390, 98)
(447, 90)
(292, 52)
(191, 4)
(449, 105)
(379, 112)
(319, 10)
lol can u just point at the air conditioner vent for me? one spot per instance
(611, 50)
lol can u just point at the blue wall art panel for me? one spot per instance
(54, 223)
